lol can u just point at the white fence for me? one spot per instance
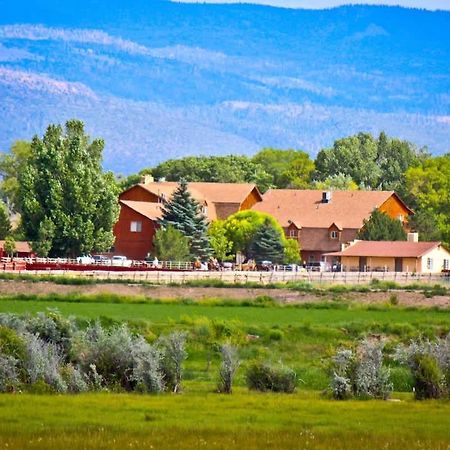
(263, 278)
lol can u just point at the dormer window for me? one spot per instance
(334, 234)
(292, 233)
(205, 210)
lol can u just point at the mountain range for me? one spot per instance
(160, 80)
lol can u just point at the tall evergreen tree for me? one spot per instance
(267, 244)
(182, 212)
(381, 227)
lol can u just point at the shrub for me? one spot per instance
(9, 378)
(228, 367)
(429, 363)
(74, 379)
(275, 335)
(341, 387)
(263, 377)
(173, 349)
(43, 362)
(393, 299)
(11, 344)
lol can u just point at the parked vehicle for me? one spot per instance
(121, 261)
(101, 259)
(85, 259)
(317, 266)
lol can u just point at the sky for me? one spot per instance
(318, 4)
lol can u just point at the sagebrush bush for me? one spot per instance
(173, 350)
(429, 363)
(263, 377)
(9, 377)
(228, 367)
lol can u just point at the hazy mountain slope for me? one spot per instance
(159, 79)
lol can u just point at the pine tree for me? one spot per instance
(381, 227)
(183, 213)
(267, 244)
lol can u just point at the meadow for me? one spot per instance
(301, 336)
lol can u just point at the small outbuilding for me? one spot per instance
(392, 256)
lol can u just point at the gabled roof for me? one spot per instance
(209, 192)
(393, 249)
(150, 210)
(305, 207)
(21, 246)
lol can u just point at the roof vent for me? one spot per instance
(326, 197)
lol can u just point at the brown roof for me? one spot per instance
(347, 209)
(21, 246)
(394, 249)
(150, 210)
(214, 192)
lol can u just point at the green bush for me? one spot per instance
(263, 377)
(276, 335)
(428, 377)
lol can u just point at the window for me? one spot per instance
(401, 218)
(205, 210)
(446, 264)
(333, 234)
(136, 226)
(311, 258)
(430, 263)
(292, 233)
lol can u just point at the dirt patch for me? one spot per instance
(404, 298)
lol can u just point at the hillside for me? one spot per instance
(160, 79)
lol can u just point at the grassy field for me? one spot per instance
(200, 418)
(303, 337)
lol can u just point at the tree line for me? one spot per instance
(55, 194)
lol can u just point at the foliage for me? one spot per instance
(218, 240)
(263, 377)
(10, 246)
(182, 212)
(381, 227)
(173, 349)
(12, 165)
(266, 244)
(9, 376)
(429, 185)
(218, 169)
(429, 363)
(228, 367)
(171, 244)
(291, 251)
(242, 226)
(289, 168)
(62, 188)
(360, 373)
(337, 182)
(5, 223)
(371, 163)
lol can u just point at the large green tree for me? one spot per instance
(182, 212)
(5, 223)
(11, 165)
(381, 227)
(289, 168)
(68, 204)
(372, 163)
(429, 185)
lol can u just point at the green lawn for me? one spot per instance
(199, 418)
(302, 337)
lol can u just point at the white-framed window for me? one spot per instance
(136, 226)
(430, 263)
(205, 210)
(446, 264)
(292, 233)
(334, 234)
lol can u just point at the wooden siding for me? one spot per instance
(251, 200)
(394, 208)
(139, 194)
(133, 245)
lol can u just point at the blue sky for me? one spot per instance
(317, 4)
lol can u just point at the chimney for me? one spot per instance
(146, 179)
(413, 237)
(326, 197)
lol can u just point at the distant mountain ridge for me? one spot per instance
(160, 79)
